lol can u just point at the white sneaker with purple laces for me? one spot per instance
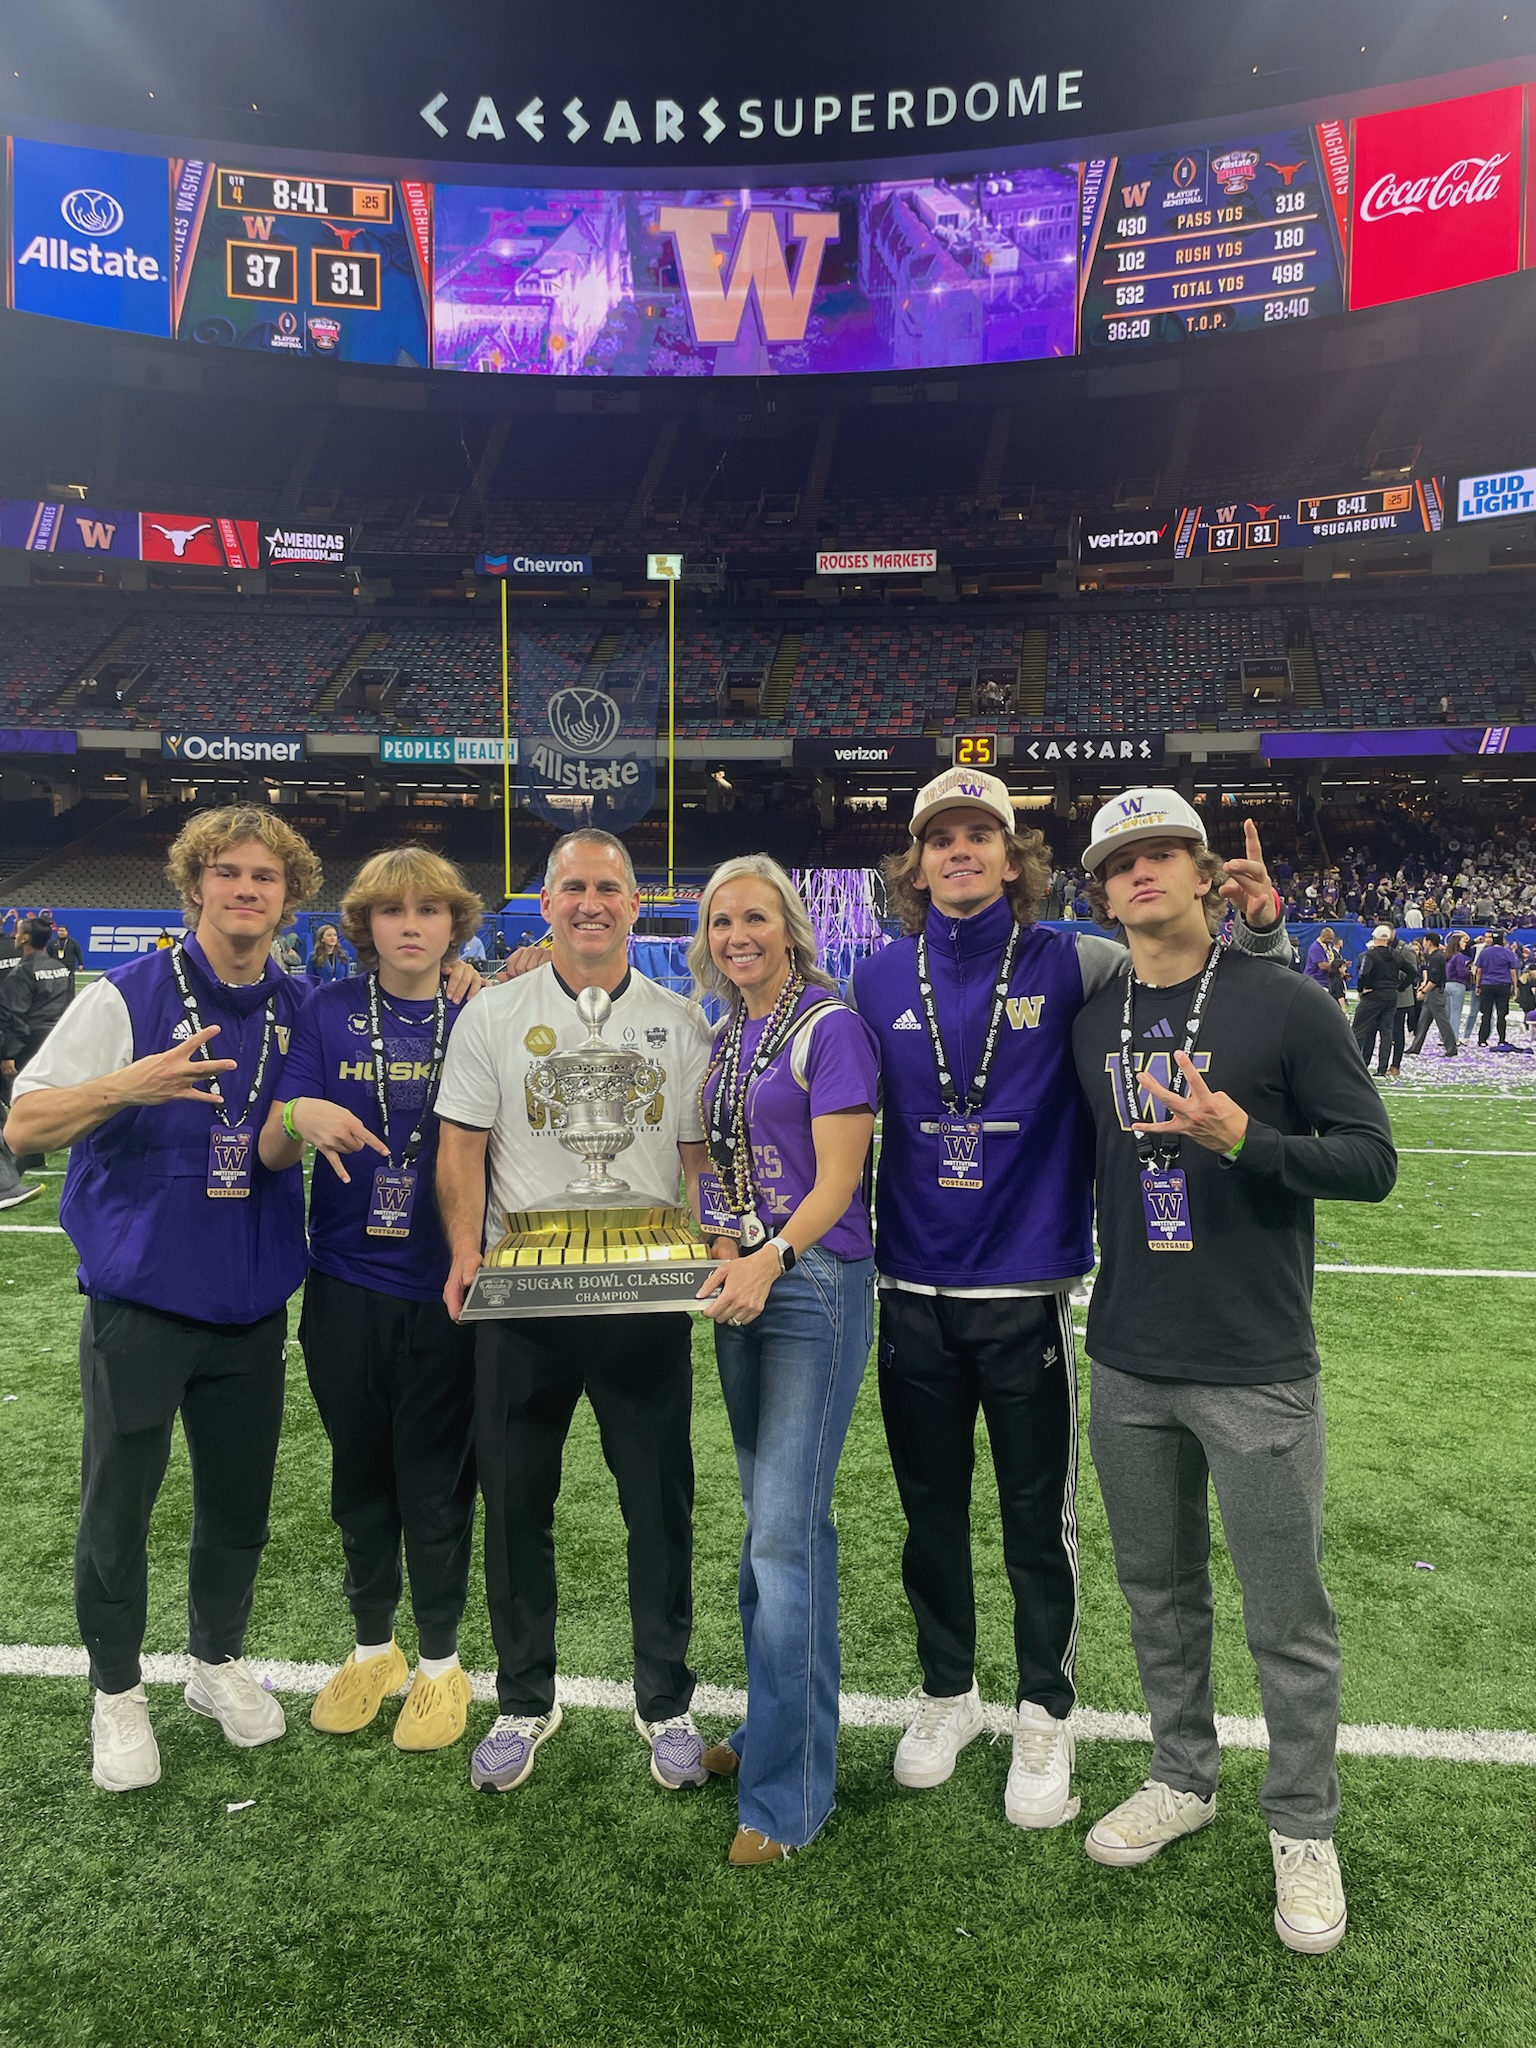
(506, 1755)
(677, 1751)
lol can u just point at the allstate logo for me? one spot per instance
(91, 212)
(584, 721)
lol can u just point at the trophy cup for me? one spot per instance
(595, 1256)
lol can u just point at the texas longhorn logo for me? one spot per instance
(715, 301)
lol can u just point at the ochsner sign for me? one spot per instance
(232, 746)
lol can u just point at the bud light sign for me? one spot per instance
(91, 236)
(1436, 197)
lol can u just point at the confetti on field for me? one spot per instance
(239, 1805)
(1421, 1566)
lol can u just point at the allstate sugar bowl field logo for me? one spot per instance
(584, 721)
(90, 211)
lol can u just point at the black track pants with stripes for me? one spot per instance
(941, 1359)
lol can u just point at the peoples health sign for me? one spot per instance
(91, 236)
(1496, 497)
(423, 749)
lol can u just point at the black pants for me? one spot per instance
(394, 1382)
(940, 1359)
(138, 1368)
(637, 1373)
(1493, 1002)
(1375, 1015)
(31, 1162)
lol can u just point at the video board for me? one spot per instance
(1307, 522)
(1216, 239)
(917, 273)
(298, 262)
(1233, 227)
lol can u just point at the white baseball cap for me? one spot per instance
(962, 789)
(1140, 814)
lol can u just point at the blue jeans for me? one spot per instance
(790, 1380)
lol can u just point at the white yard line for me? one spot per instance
(1435, 1272)
(859, 1709)
(36, 1229)
(1459, 1152)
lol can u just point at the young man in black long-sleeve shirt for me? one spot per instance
(1227, 1098)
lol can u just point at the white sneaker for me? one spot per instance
(1140, 1827)
(124, 1753)
(1310, 1915)
(1039, 1791)
(231, 1694)
(936, 1735)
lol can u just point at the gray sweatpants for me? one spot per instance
(1156, 1445)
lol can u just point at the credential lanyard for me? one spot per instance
(194, 1018)
(1152, 1149)
(727, 1123)
(381, 1086)
(978, 1087)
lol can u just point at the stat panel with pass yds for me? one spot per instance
(1191, 242)
(298, 263)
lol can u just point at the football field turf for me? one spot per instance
(371, 1898)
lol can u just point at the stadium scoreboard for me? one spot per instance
(1205, 241)
(312, 198)
(298, 262)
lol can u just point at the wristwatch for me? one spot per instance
(786, 1252)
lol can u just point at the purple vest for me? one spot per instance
(136, 1199)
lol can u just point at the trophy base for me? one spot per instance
(591, 1262)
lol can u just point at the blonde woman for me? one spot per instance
(788, 1110)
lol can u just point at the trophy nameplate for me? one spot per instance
(598, 1255)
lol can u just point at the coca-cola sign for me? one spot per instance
(1468, 183)
(1436, 197)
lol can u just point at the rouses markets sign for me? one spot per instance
(878, 562)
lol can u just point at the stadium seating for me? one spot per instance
(1159, 664)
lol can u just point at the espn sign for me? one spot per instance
(117, 941)
(1436, 197)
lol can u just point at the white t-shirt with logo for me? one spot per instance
(510, 1027)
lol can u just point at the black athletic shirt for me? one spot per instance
(1236, 1310)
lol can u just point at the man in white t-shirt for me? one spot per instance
(635, 1370)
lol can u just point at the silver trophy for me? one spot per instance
(593, 1096)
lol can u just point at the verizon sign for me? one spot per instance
(879, 562)
(1437, 197)
(1139, 537)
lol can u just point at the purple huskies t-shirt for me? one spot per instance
(838, 1068)
(330, 1057)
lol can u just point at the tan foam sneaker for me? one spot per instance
(434, 1712)
(751, 1848)
(1142, 1826)
(1310, 1915)
(351, 1697)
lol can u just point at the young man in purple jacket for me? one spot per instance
(189, 1249)
(983, 1225)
